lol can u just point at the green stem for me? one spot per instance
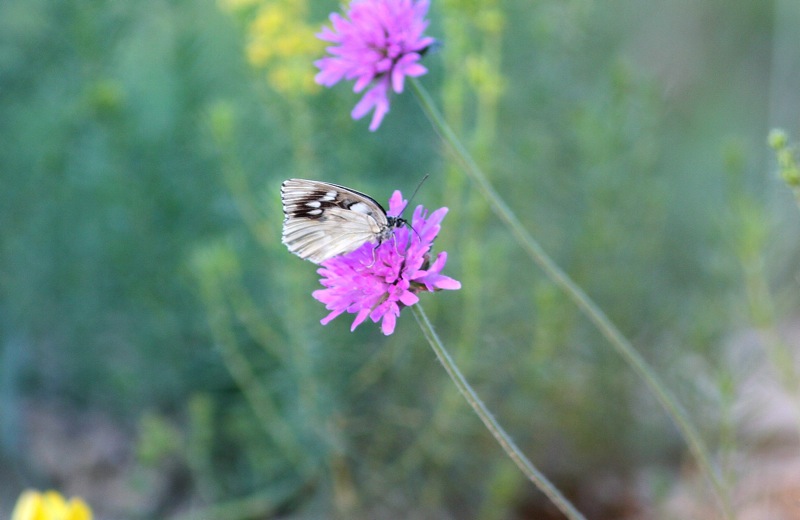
(621, 344)
(491, 423)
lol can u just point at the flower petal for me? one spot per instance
(362, 315)
(327, 319)
(408, 298)
(388, 323)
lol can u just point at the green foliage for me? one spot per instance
(142, 267)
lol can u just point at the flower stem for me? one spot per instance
(535, 251)
(491, 423)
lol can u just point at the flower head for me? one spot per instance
(281, 43)
(377, 281)
(378, 43)
(49, 505)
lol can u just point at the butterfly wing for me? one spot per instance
(323, 220)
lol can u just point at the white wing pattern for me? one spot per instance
(323, 220)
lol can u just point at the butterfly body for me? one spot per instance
(323, 220)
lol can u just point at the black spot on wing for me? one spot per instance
(311, 199)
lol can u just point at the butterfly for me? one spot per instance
(323, 220)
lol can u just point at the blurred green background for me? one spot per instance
(144, 289)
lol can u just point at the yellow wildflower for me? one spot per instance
(50, 505)
(283, 45)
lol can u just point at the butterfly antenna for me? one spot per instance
(415, 232)
(419, 185)
(415, 192)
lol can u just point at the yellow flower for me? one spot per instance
(49, 505)
(282, 45)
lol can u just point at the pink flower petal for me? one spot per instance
(327, 319)
(363, 314)
(408, 299)
(388, 323)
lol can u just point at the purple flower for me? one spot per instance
(377, 281)
(377, 44)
